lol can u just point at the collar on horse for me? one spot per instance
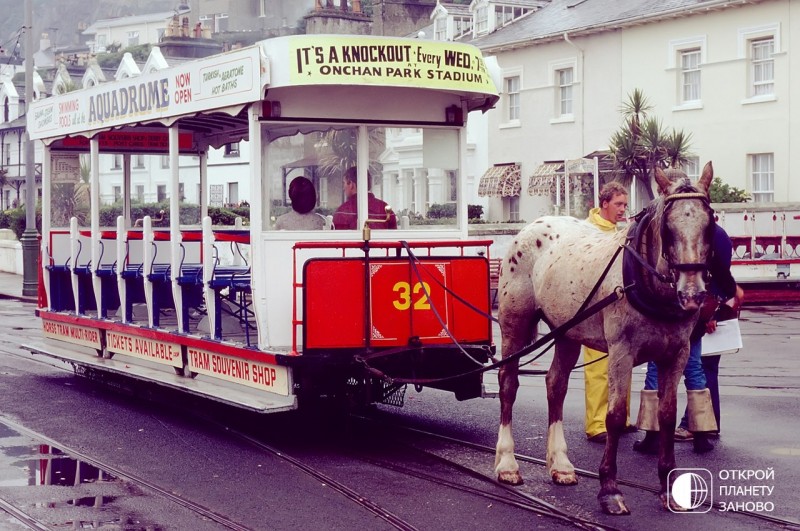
(634, 266)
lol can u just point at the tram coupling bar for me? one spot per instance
(366, 232)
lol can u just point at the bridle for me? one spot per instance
(666, 235)
(634, 265)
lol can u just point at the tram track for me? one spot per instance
(788, 524)
(33, 523)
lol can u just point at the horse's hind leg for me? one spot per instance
(558, 464)
(518, 327)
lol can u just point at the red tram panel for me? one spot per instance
(404, 300)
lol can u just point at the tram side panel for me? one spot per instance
(424, 321)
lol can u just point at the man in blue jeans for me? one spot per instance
(702, 419)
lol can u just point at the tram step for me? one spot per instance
(220, 391)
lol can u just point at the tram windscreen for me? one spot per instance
(413, 171)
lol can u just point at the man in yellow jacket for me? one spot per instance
(613, 203)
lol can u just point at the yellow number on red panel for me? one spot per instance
(404, 291)
(422, 303)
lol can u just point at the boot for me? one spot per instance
(648, 411)
(701, 444)
(648, 445)
(701, 419)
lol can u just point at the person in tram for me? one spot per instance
(613, 198)
(346, 216)
(304, 198)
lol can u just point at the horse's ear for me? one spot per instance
(704, 183)
(663, 181)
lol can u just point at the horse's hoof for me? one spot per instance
(510, 478)
(669, 504)
(614, 504)
(564, 478)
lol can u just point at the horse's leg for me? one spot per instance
(669, 374)
(518, 329)
(558, 464)
(619, 380)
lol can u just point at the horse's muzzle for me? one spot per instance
(692, 299)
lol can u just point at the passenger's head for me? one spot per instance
(303, 195)
(350, 179)
(613, 201)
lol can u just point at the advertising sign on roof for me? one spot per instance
(346, 60)
(216, 82)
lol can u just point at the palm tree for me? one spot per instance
(641, 144)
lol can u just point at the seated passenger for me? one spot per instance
(303, 197)
(346, 216)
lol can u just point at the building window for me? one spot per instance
(512, 98)
(133, 38)
(762, 67)
(505, 14)
(692, 168)
(233, 193)
(140, 193)
(161, 193)
(690, 75)
(117, 193)
(440, 29)
(565, 81)
(513, 208)
(116, 162)
(100, 43)
(181, 192)
(165, 162)
(232, 149)
(482, 19)
(762, 170)
(452, 183)
(138, 161)
(461, 26)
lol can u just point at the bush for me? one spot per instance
(474, 212)
(14, 219)
(720, 192)
(447, 210)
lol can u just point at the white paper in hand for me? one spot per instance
(726, 339)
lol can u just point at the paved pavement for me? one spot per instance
(11, 287)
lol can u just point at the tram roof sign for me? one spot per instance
(226, 82)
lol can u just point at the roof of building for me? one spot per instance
(558, 17)
(456, 9)
(128, 21)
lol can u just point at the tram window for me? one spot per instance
(414, 170)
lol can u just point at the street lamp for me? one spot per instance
(30, 237)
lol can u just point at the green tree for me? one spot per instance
(642, 144)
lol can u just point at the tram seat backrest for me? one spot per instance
(58, 252)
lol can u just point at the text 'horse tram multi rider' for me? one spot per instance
(261, 314)
(634, 294)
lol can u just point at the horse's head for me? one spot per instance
(687, 225)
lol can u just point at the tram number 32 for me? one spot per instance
(406, 291)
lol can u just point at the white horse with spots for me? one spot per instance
(549, 272)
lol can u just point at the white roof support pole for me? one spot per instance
(127, 192)
(203, 199)
(175, 226)
(260, 196)
(362, 161)
(45, 250)
(94, 187)
(462, 214)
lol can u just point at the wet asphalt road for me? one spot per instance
(161, 442)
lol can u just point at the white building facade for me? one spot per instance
(720, 70)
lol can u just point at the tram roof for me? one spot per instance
(209, 97)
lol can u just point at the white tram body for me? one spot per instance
(238, 313)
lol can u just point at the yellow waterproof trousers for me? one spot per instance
(596, 378)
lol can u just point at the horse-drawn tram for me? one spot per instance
(334, 286)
